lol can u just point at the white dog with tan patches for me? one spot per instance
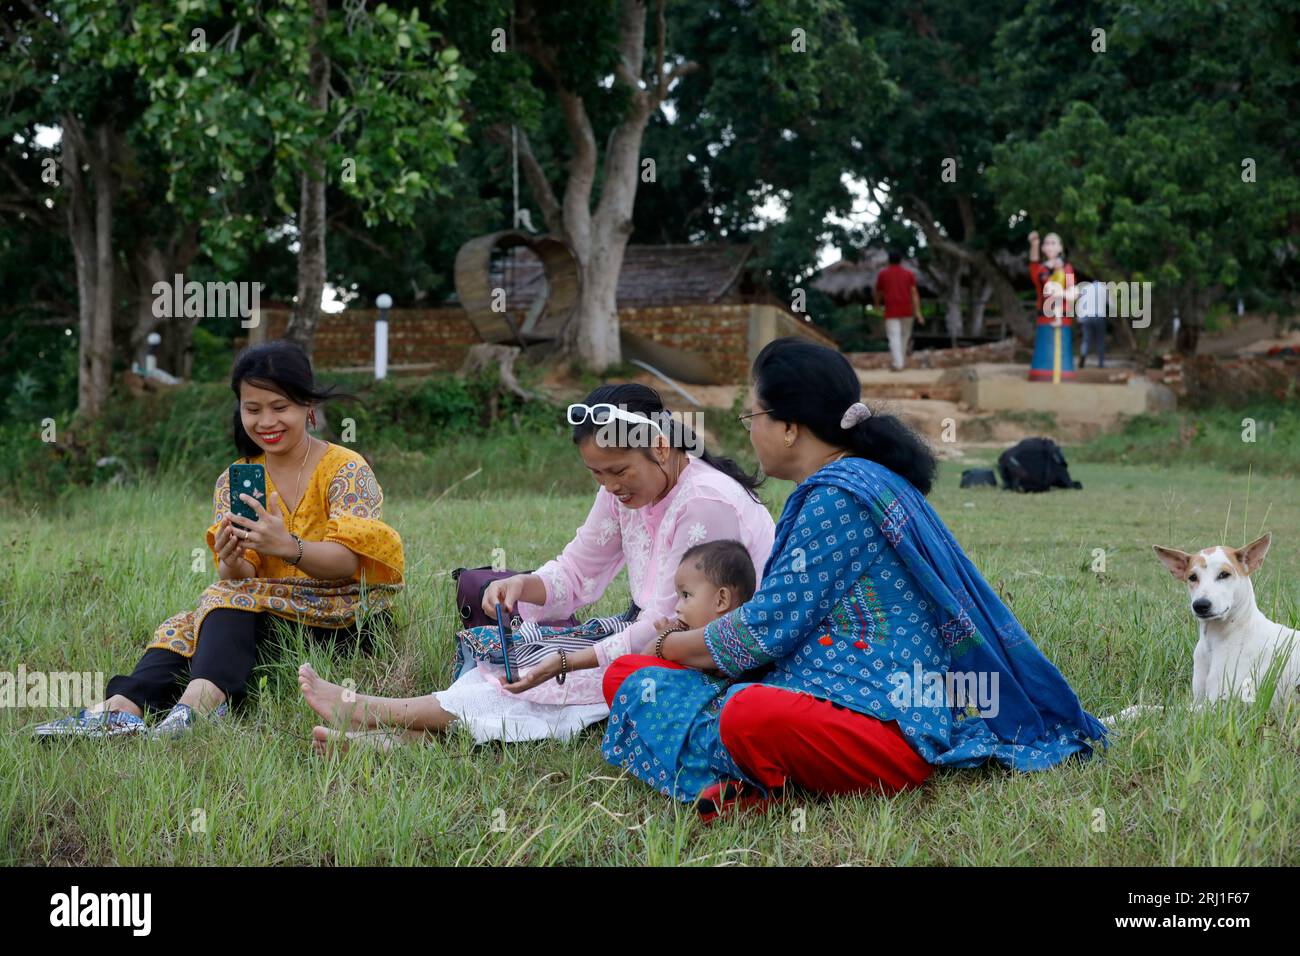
(1238, 643)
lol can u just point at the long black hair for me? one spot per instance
(281, 366)
(807, 384)
(644, 400)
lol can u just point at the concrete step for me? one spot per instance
(935, 391)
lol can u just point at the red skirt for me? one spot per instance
(780, 737)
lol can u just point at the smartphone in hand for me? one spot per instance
(247, 480)
(505, 644)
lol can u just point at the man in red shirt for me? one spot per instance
(896, 285)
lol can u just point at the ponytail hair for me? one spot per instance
(644, 400)
(280, 366)
(810, 385)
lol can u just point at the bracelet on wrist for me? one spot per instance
(564, 667)
(297, 540)
(659, 643)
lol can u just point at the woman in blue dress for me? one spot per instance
(873, 650)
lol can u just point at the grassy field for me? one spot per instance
(84, 584)
(1262, 437)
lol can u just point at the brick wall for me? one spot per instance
(718, 333)
(1230, 380)
(426, 339)
(437, 339)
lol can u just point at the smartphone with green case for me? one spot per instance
(247, 480)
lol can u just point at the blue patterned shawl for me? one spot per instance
(1039, 720)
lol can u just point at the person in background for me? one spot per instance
(1091, 312)
(896, 287)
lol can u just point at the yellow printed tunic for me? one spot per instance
(343, 503)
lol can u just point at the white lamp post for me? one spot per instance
(385, 302)
(153, 340)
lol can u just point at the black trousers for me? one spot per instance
(231, 643)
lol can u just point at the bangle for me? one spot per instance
(659, 644)
(297, 560)
(564, 667)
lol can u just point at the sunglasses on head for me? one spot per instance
(603, 412)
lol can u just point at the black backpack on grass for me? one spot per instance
(1035, 464)
(979, 478)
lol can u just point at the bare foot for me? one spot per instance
(326, 741)
(333, 702)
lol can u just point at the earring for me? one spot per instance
(788, 441)
(311, 418)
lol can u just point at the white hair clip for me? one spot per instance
(857, 412)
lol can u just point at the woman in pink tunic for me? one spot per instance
(660, 494)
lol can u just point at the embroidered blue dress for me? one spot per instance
(866, 601)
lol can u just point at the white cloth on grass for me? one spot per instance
(488, 713)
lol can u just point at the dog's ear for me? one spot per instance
(1175, 561)
(1252, 555)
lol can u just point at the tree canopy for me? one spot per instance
(303, 142)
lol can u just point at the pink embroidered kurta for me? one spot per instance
(704, 505)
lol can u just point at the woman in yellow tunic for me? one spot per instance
(319, 554)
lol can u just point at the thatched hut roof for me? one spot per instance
(651, 275)
(847, 281)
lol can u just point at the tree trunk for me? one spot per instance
(600, 242)
(592, 335)
(953, 316)
(1162, 309)
(148, 269)
(1188, 335)
(598, 239)
(149, 266)
(1013, 311)
(90, 229)
(982, 293)
(1123, 323)
(1009, 304)
(311, 203)
(105, 193)
(311, 260)
(502, 359)
(1192, 320)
